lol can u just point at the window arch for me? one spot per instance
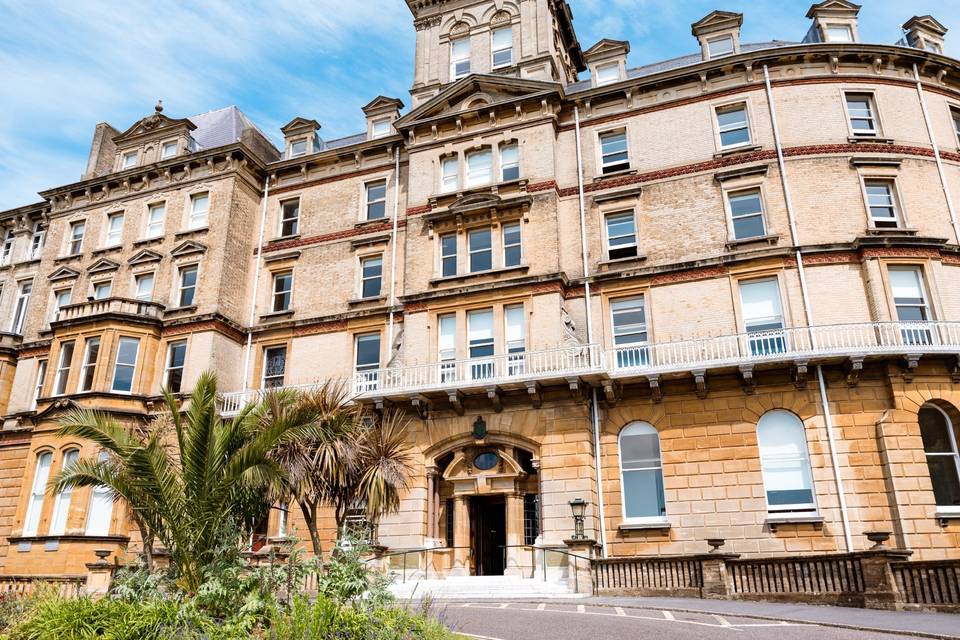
(641, 473)
(37, 490)
(943, 462)
(61, 505)
(785, 462)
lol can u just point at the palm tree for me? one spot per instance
(319, 461)
(183, 487)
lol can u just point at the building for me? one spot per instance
(714, 296)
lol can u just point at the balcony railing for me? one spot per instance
(798, 343)
(121, 306)
(783, 345)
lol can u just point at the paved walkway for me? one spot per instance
(514, 620)
(912, 623)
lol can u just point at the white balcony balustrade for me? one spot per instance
(810, 344)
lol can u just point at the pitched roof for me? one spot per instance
(221, 127)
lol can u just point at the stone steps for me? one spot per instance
(480, 587)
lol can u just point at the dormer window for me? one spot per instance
(298, 148)
(168, 150)
(720, 47)
(608, 73)
(381, 127)
(502, 47)
(459, 58)
(130, 159)
(932, 46)
(839, 33)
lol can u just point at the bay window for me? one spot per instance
(38, 489)
(88, 367)
(61, 505)
(125, 365)
(100, 512)
(173, 371)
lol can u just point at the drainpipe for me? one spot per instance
(807, 308)
(256, 287)
(393, 250)
(936, 154)
(594, 411)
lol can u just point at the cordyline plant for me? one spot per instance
(185, 473)
(347, 458)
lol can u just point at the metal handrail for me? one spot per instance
(543, 559)
(405, 553)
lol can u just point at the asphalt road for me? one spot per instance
(527, 621)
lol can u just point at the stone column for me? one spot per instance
(879, 587)
(579, 567)
(514, 536)
(717, 581)
(461, 537)
(431, 514)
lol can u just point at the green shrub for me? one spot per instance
(326, 619)
(82, 618)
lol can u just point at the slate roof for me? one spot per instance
(676, 63)
(221, 127)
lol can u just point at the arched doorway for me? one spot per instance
(488, 499)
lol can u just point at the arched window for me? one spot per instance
(101, 508)
(641, 473)
(940, 447)
(37, 490)
(785, 462)
(61, 507)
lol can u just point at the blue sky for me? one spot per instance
(66, 65)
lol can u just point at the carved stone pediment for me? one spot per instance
(187, 248)
(103, 265)
(153, 124)
(299, 125)
(145, 256)
(717, 21)
(607, 48)
(63, 273)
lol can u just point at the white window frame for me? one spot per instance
(91, 349)
(168, 367)
(767, 320)
(367, 201)
(6, 257)
(117, 365)
(367, 375)
(75, 241)
(471, 251)
(113, 237)
(479, 176)
(37, 240)
(151, 230)
(182, 270)
(64, 364)
(873, 116)
(898, 220)
(277, 295)
(924, 305)
(138, 279)
(639, 427)
(711, 54)
(293, 220)
(606, 235)
(804, 459)
(129, 160)
(22, 305)
(447, 345)
(508, 164)
(98, 522)
(294, 153)
(608, 167)
(450, 179)
(955, 120)
(955, 454)
(198, 218)
(722, 129)
(446, 256)
(61, 504)
(829, 27)
(38, 385)
(364, 278)
(96, 287)
(494, 50)
(741, 192)
(603, 78)
(268, 377)
(505, 244)
(38, 491)
(381, 128)
(164, 155)
(455, 60)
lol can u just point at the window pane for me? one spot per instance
(839, 33)
(125, 365)
(643, 494)
(935, 431)
(749, 227)
(943, 475)
(640, 451)
(761, 303)
(274, 367)
(785, 460)
(481, 256)
(368, 351)
(720, 46)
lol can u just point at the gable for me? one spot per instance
(607, 48)
(152, 124)
(928, 23)
(835, 7)
(63, 273)
(145, 256)
(299, 124)
(188, 248)
(716, 20)
(383, 104)
(102, 265)
(495, 89)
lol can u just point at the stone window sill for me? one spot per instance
(614, 174)
(869, 139)
(944, 516)
(145, 241)
(652, 523)
(523, 268)
(278, 239)
(277, 315)
(732, 151)
(181, 310)
(372, 223)
(617, 263)
(896, 232)
(776, 519)
(76, 256)
(189, 232)
(769, 239)
(105, 250)
(359, 301)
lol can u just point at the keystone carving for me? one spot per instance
(611, 392)
(912, 361)
(854, 368)
(800, 372)
(655, 391)
(700, 381)
(749, 384)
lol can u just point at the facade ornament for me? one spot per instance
(427, 23)
(394, 361)
(877, 65)
(500, 17)
(834, 64)
(159, 107)
(570, 338)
